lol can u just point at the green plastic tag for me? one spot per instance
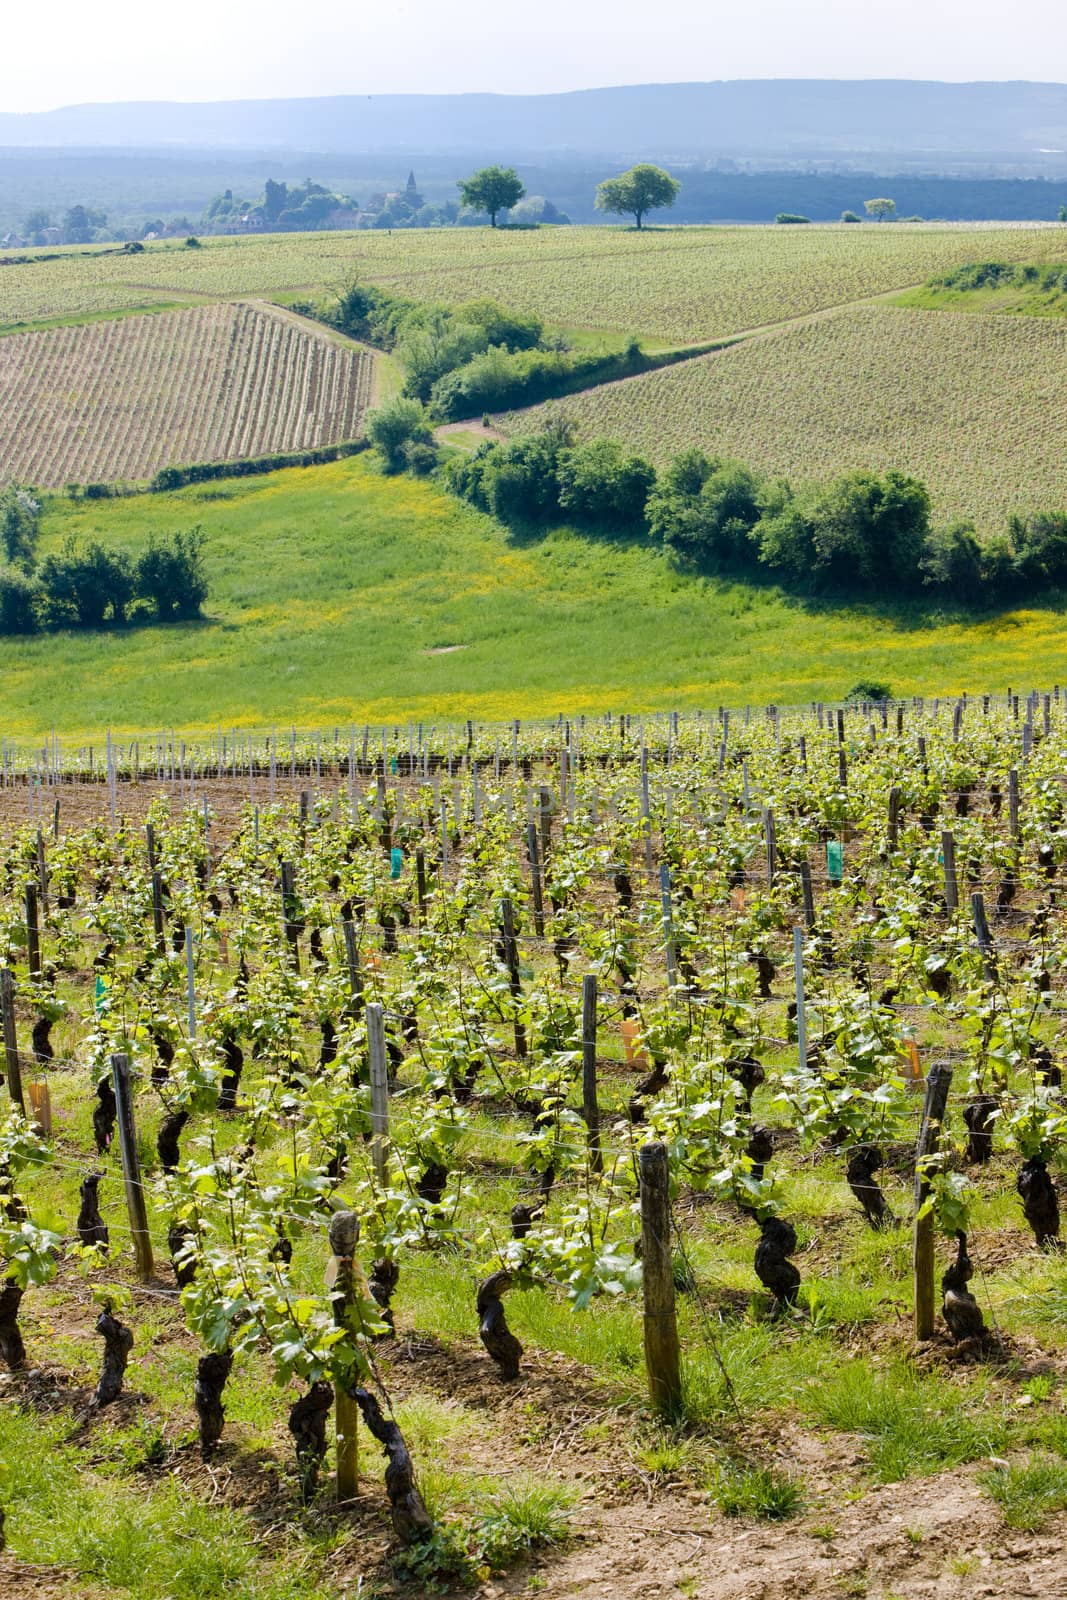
(835, 861)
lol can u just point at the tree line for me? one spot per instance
(862, 534)
(89, 585)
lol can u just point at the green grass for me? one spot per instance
(910, 1423)
(1028, 1494)
(339, 595)
(761, 1492)
(149, 1538)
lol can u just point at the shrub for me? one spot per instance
(869, 689)
(20, 519)
(790, 217)
(953, 561)
(83, 586)
(171, 575)
(1040, 543)
(19, 594)
(706, 509)
(506, 328)
(394, 426)
(599, 483)
(420, 458)
(850, 216)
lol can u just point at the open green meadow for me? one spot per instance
(671, 284)
(338, 594)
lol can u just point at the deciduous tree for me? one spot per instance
(491, 189)
(644, 188)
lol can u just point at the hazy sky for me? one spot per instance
(69, 51)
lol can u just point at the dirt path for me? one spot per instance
(928, 1539)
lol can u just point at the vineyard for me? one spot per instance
(118, 400)
(681, 284)
(972, 405)
(438, 1153)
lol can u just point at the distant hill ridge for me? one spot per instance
(680, 120)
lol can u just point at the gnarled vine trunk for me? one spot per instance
(118, 1342)
(863, 1163)
(307, 1424)
(493, 1328)
(411, 1520)
(212, 1371)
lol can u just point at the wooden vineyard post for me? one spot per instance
(1013, 802)
(12, 1065)
(984, 937)
(802, 1021)
(292, 933)
(42, 872)
(344, 1236)
(355, 977)
(769, 839)
(379, 1090)
(894, 818)
(662, 1356)
(33, 932)
(668, 925)
(190, 981)
(590, 1108)
(805, 889)
(420, 880)
(157, 911)
(511, 961)
(131, 1170)
(535, 880)
(937, 1087)
(948, 854)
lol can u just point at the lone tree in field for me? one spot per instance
(492, 189)
(644, 188)
(884, 210)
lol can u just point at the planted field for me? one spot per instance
(975, 406)
(117, 400)
(679, 284)
(339, 594)
(579, 1174)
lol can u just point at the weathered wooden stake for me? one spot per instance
(769, 840)
(894, 817)
(802, 1020)
(190, 980)
(355, 976)
(590, 1108)
(344, 1236)
(157, 911)
(12, 1065)
(379, 1090)
(805, 890)
(131, 1169)
(668, 925)
(33, 932)
(535, 880)
(984, 937)
(1013, 801)
(948, 853)
(511, 961)
(662, 1355)
(937, 1087)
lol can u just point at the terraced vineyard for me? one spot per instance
(120, 399)
(975, 406)
(678, 284)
